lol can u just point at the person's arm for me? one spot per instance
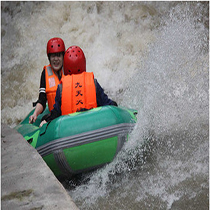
(102, 98)
(42, 91)
(41, 102)
(56, 112)
(38, 110)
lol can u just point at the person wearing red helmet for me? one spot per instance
(78, 89)
(50, 77)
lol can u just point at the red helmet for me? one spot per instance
(55, 45)
(74, 61)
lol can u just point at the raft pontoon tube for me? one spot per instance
(81, 141)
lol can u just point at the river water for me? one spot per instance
(151, 56)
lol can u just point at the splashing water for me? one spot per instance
(152, 56)
(170, 89)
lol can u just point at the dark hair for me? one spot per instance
(53, 53)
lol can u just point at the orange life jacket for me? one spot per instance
(52, 82)
(78, 92)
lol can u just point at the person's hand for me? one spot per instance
(32, 118)
(42, 123)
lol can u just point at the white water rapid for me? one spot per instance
(151, 56)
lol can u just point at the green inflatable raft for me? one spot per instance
(81, 141)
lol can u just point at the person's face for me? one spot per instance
(56, 61)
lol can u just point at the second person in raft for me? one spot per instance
(78, 90)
